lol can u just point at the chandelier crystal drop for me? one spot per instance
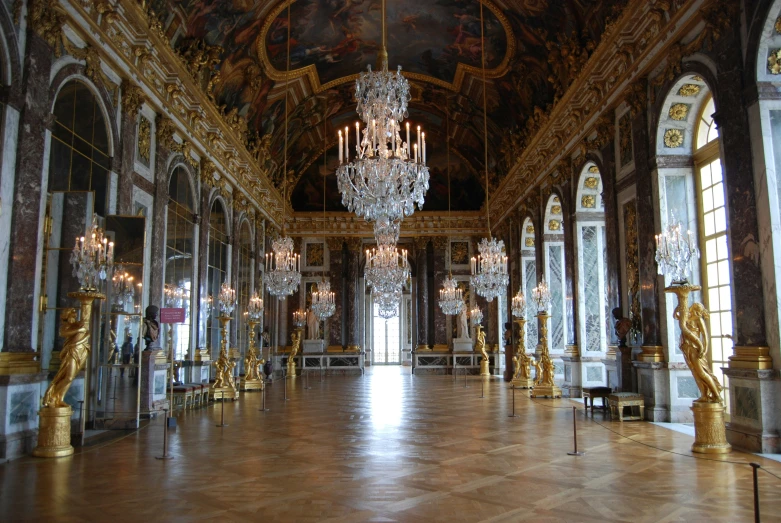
(476, 315)
(226, 299)
(255, 307)
(299, 318)
(451, 298)
(323, 300)
(388, 303)
(542, 296)
(283, 268)
(387, 270)
(489, 269)
(519, 305)
(92, 257)
(675, 252)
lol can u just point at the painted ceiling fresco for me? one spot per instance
(534, 50)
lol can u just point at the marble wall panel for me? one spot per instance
(591, 300)
(556, 285)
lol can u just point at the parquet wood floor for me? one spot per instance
(389, 447)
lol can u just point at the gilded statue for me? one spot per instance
(480, 345)
(72, 356)
(694, 342)
(224, 375)
(544, 370)
(295, 338)
(252, 366)
(537, 371)
(521, 361)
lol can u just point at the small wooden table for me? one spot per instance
(619, 400)
(590, 393)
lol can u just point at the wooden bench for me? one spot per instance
(618, 401)
(591, 393)
(197, 398)
(183, 395)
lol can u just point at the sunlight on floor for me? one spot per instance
(386, 397)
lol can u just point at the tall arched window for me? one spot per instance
(553, 256)
(179, 247)
(245, 283)
(79, 158)
(714, 244)
(529, 278)
(217, 268)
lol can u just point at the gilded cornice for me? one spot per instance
(645, 35)
(422, 223)
(128, 39)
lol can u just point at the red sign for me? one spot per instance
(172, 315)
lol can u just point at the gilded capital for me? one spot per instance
(420, 242)
(334, 243)
(133, 98)
(208, 172)
(354, 244)
(165, 132)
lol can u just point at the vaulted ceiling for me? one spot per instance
(534, 50)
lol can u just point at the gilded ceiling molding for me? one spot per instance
(141, 49)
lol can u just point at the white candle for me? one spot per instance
(341, 151)
(346, 144)
(357, 135)
(416, 153)
(424, 147)
(408, 144)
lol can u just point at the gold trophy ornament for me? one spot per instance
(674, 253)
(92, 259)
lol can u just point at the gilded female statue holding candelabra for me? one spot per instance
(73, 355)
(295, 338)
(480, 346)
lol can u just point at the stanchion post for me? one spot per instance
(513, 415)
(575, 434)
(165, 437)
(465, 385)
(482, 388)
(755, 467)
(455, 369)
(222, 414)
(285, 373)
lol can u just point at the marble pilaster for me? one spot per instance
(202, 290)
(336, 275)
(24, 260)
(128, 130)
(159, 219)
(440, 273)
(353, 310)
(607, 169)
(422, 286)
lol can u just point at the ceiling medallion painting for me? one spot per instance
(333, 41)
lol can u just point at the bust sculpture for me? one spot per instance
(150, 328)
(622, 327)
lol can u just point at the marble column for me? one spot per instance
(440, 273)
(21, 306)
(128, 123)
(421, 286)
(513, 246)
(202, 290)
(233, 241)
(336, 274)
(159, 215)
(571, 315)
(354, 318)
(649, 282)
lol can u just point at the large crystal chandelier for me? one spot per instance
(92, 257)
(489, 269)
(388, 175)
(675, 252)
(387, 270)
(283, 267)
(323, 300)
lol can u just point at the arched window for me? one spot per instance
(590, 238)
(217, 268)
(529, 278)
(714, 244)
(245, 283)
(179, 252)
(553, 256)
(79, 158)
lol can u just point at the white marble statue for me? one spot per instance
(312, 326)
(463, 325)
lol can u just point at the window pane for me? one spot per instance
(713, 274)
(716, 349)
(713, 299)
(726, 321)
(707, 200)
(715, 167)
(705, 176)
(710, 226)
(724, 272)
(721, 247)
(715, 325)
(710, 250)
(718, 195)
(725, 299)
(721, 219)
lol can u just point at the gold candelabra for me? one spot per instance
(709, 432)
(252, 377)
(544, 385)
(54, 433)
(521, 361)
(224, 386)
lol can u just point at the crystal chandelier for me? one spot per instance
(174, 296)
(299, 318)
(675, 251)
(451, 298)
(323, 300)
(283, 268)
(518, 308)
(542, 296)
(388, 303)
(476, 315)
(386, 272)
(122, 288)
(92, 257)
(388, 176)
(255, 307)
(489, 269)
(226, 300)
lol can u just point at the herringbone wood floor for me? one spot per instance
(389, 447)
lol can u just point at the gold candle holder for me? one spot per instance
(224, 386)
(544, 385)
(521, 361)
(253, 379)
(54, 432)
(709, 431)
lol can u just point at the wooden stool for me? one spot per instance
(619, 400)
(590, 393)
